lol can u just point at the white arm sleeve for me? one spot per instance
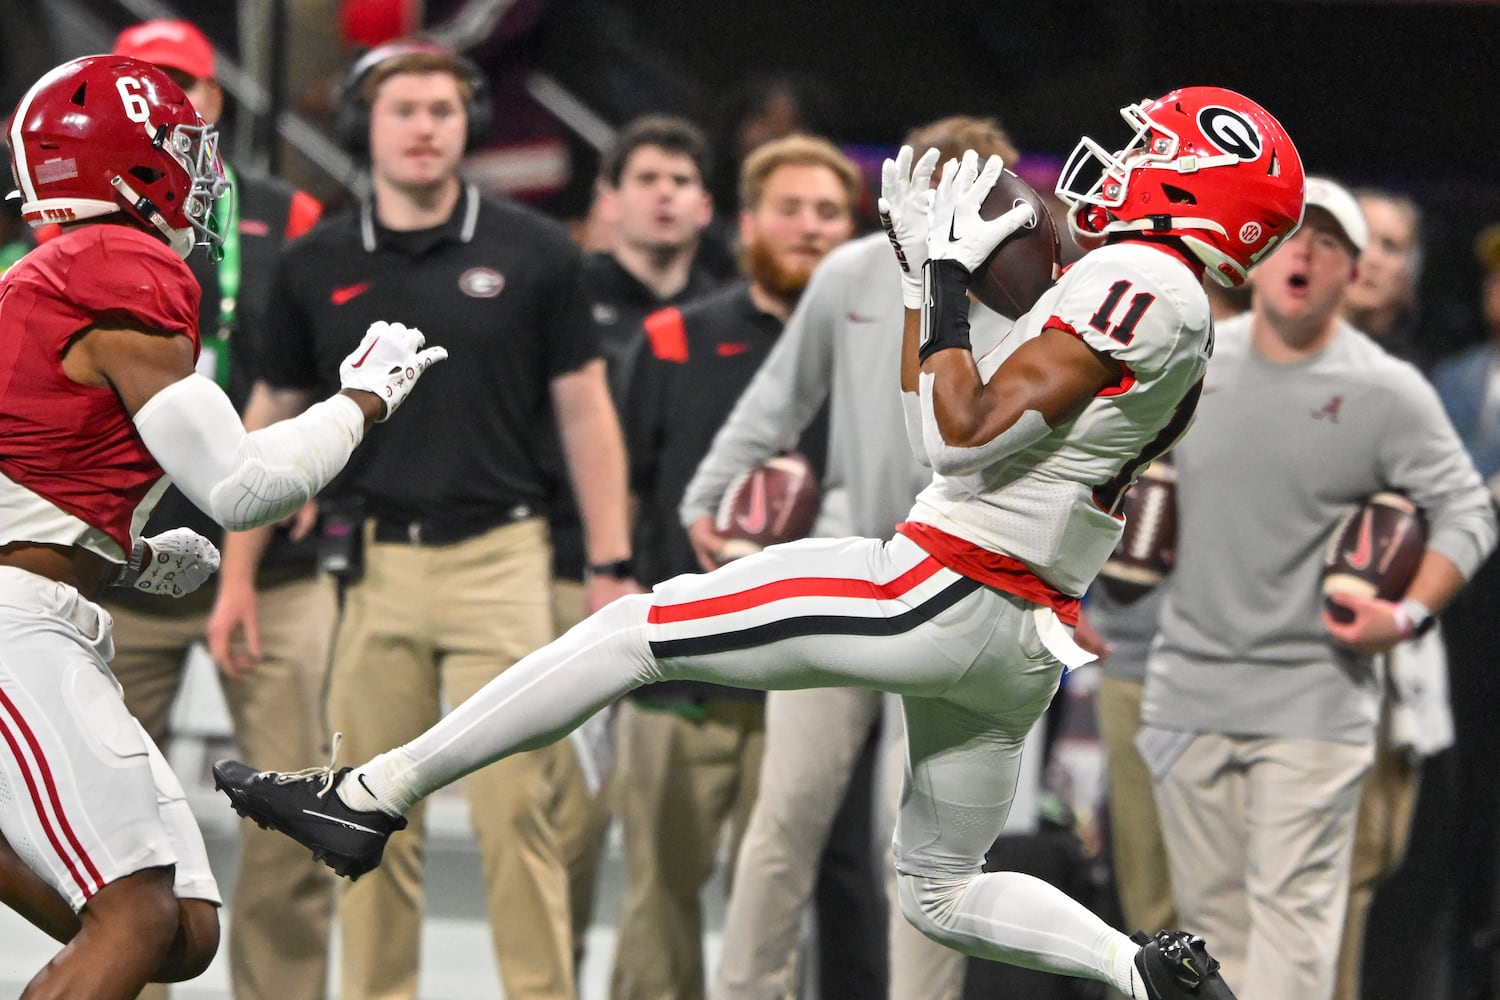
(948, 460)
(911, 409)
(246, 480)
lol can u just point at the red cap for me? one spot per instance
(169, 44)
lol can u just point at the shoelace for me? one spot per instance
(310, 773)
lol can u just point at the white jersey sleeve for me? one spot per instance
(1115, 300)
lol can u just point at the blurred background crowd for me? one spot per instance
(1384, 96)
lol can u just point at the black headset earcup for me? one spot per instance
(481, 109)
(351, 124)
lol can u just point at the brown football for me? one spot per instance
(1022, 267)
(775, 502)
(1375, 550)
(1144, 554)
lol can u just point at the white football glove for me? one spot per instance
(388, 362)
(904, 205)
(173, 563)
(957, 232)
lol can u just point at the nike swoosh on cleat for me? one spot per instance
(346, 824)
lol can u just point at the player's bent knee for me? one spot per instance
(141, 902)
(625, 612)
(196, 942)
(929, 904)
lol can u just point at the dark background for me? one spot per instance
(1398, 95)
(1394, 94)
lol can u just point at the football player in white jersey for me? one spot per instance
(967, 612)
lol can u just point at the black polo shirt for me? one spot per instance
(694, 364)
(498, 285)
(618, 302)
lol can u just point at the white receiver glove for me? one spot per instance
(388, 362)
(174, 563)
(904, 207)
(956, 231)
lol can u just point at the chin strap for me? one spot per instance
(181, 240)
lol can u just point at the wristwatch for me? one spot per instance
(1415, 618)
(620, 569)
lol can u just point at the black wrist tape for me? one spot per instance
(945, 312)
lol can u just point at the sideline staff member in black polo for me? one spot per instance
(456, 564)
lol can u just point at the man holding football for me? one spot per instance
(967, 612)
(1260, 705)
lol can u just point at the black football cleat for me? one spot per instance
(302, 805)
(1177, 966)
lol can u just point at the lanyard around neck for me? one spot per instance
(229, 264)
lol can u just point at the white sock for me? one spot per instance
(1126, 977)
(379, 785)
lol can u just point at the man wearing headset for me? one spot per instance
(455, 584)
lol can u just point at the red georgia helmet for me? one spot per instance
(105, 134)
(1206, 165)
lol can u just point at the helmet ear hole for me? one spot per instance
(146, 175)
(1178, 196)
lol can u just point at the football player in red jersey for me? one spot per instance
(99, 403)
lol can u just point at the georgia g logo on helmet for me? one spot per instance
(1230, 131)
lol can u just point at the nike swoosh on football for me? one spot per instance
(339, 296)
(753, 521)
(336, 821)
(1360, 558)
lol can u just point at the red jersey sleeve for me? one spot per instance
(129, 278)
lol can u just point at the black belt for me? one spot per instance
(445, 531)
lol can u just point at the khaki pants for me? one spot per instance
(424, 626)
(1259, 834)
(282, 904)
(1380, 838)
(1140, 858)
(582, 820)
(681, 781)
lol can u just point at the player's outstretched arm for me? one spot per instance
(244, 480)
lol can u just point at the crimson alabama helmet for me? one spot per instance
(105, 134)
(1206, 165)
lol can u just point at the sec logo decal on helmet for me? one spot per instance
(1205, 165)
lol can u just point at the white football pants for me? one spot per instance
(971, 664)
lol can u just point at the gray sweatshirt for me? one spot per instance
(843, 341)
(1277, 454)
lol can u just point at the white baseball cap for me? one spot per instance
(1336, 200)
